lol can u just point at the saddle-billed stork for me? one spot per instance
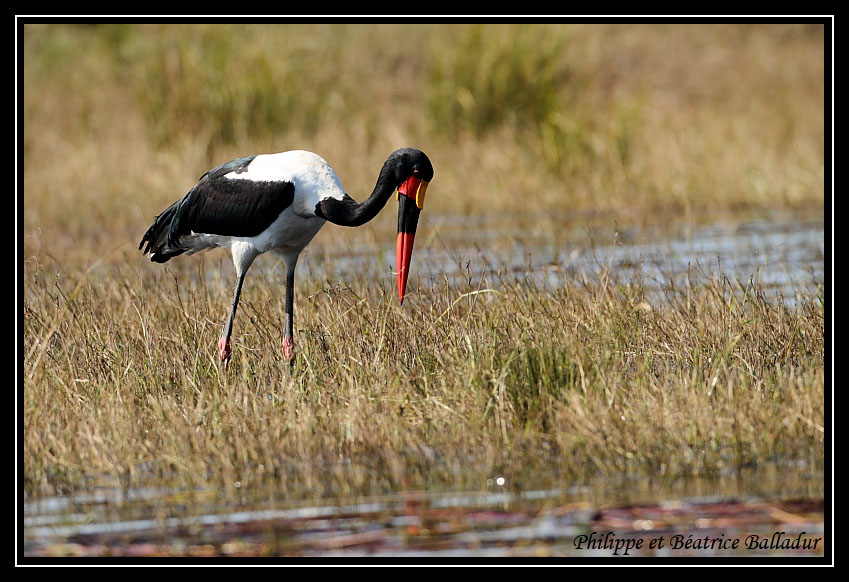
(278, 202)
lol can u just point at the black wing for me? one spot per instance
(219, 205)
(231, 207)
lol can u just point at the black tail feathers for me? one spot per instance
(157, 237)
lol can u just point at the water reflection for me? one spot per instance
(751, 504)
(781, 258)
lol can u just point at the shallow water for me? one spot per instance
(784, 259)
(767, 512)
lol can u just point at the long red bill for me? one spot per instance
(410, 202)
(403, 253)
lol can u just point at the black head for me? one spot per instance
(407, 162)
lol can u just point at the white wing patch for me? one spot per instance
(312, 176)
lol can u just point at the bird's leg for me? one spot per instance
(288, 336)
(224, 343)
(243, 256)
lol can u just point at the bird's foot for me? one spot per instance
(288, 349)
(224, 349)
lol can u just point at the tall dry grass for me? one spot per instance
(624, 122)
(580, 123)
(122, 382)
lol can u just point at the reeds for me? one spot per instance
(584, 123)
(625, 122)
(122, 380)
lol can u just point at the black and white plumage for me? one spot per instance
(278, 202)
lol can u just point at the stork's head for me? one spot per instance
(413, 173)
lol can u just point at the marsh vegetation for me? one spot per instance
(566, 129)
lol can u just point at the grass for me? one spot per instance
(586, 124)
(121, 373)
(596, 120)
